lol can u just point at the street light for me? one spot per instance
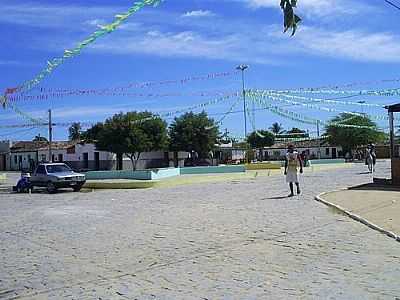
(243, 68)
(362, 107)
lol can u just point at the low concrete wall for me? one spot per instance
(153, 174)
(125, 174)
(264, 166)
(327, 161)
(157, 174)
(213, 170)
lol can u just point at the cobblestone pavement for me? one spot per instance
(234, 240)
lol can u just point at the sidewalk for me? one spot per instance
(375, 206)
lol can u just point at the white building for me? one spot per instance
(311, 148)
(5, 155)
(83, 156)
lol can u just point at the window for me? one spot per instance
(327, 151)
(43, 157)
(15, 159)
(58, 169)
(41, 170)
(60, 158)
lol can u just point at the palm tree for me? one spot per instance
(276, 128)
(39, 138)
(75, 131)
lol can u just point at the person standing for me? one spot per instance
(292, 163)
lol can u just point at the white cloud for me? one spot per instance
(267, 45)
(198, 13)
(186, 44)
(54, 16)
(351, 44)
(314, 7)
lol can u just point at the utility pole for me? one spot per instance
(50, 137)
(243, 68)
(319, 141)
(362, 107)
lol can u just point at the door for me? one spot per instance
(334, 153)
(86, 160)
(39, 177)
(97, 161)
(2, 163)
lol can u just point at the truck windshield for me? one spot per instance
(58, 169)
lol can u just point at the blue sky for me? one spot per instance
(338, 42)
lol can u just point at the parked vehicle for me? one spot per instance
(54, 176)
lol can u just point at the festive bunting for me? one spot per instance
(352, 93)
(140, 85)
(70, 53)
(290, 19)
(347, 85)
(46, 97)
(299, 117)
(317, 107)
(311, 99)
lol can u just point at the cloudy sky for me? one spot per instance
(339, 42)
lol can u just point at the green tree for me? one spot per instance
(193, 132)
(75, 131)
(92, 133)
(261, 139)
(295, 130)
(132, 134)
(352, 137)
(296, 133)
(276, 128)
(39, 138)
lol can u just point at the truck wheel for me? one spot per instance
(51, 188)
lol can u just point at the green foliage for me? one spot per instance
(260, 139)
(39, 138)
(295, 130)
(92, 133)
(132, 134)
(276, 128)
(193, 132)
(75, 131)
(290, 19)
(349, 137)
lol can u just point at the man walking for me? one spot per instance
(293, 161)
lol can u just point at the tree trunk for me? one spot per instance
(119, 161)
(134, 160)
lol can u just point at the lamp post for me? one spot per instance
(362, 107)
(243, 68)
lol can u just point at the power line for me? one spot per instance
(17, 131)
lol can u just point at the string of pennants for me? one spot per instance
(71, 53)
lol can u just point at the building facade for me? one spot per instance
(5, 147)
(24, 156)
(313, 149)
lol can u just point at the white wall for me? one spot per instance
(78, 155)
(313, 152)
(15, 159)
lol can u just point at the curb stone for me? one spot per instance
(356, 217)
